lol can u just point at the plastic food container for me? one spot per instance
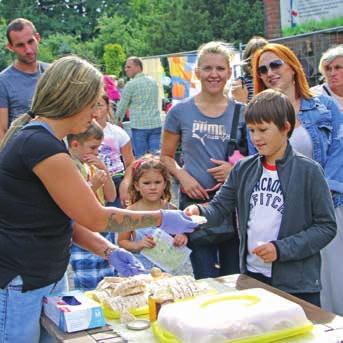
(250, 316)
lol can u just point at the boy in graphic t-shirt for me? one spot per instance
(284, 205)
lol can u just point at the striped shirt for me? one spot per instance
(140, 96)
(250, 86)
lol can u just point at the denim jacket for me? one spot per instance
(321, 117)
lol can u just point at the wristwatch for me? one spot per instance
(108, 251)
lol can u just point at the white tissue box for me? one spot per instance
(73, 311)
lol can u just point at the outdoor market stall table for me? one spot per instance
(328, 327)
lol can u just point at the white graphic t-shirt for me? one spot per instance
(266, 209)
(109, 151)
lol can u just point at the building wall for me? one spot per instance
(272, 20)
(308, 47)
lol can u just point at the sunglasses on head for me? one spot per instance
(273, 65)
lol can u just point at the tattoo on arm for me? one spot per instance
(125, 222)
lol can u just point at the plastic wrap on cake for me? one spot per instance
(254, 315)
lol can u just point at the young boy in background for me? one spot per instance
(284, 205)
(83, 148)
(90, 269)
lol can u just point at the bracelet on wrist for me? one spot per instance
(108, 251)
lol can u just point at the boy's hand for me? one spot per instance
(95, 161)
(221, 172)
(180, 240)
(147, 243)
(192, 210)
(98, 179)
(267, 252)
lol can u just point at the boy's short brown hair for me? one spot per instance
(271, 106)
(94, 131)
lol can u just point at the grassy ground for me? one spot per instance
(312, 25)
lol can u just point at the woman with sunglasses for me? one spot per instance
(317, 135)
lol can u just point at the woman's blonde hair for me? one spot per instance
(215, 47)
(252, 46)
(302, 88)
(67, 86)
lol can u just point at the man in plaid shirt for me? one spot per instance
(140, 96)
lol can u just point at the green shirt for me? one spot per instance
(140, 96)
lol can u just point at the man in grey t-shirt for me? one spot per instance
(18, 81)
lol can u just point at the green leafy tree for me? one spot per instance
(243, 19)
(116, 30)
(5, 56)
(140, 27)
(59, 44)
(10, 9)
(184, 26)
(114, 57)
(56, 45)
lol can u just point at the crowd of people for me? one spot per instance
(262, 164)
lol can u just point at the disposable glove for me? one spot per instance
(125, 263)
(174, 222)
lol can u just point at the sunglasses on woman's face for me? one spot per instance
(273, 65)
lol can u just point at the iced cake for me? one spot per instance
(231, 316)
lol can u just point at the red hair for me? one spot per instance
(302, 88)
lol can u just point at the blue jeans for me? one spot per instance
(146, 140)
(214, 260)
(20, 312)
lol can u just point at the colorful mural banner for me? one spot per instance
(184, 83)
(153, 67)
(297, 12)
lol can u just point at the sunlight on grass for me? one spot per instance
(312, 25)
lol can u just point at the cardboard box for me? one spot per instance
(73, 311)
